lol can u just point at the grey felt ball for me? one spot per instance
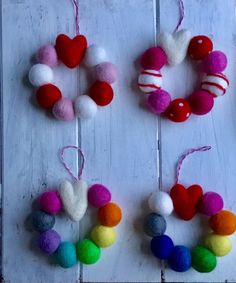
(154, 225)
(42, 221)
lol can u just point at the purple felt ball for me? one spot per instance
(211, 203)
(47, 55)
(215, 62)
(49, 241)
(201, 102)
(98, 195)
(153, 58)
(50, 202)
(158, 101)
(105, 72)
(63, 109)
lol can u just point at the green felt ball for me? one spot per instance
(87, 252)
(65, 255)
(203, 260)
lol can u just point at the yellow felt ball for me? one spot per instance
(103, 236)
(219, 245)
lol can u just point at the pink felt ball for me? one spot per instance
(201, 102)
(50, 202)
(63, 109)
(215, 62)
(99, 195)
(211, 203)
(158, 101)
(105, 72)
(47, 55)
(153, 58)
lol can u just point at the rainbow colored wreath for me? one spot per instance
(186, 203)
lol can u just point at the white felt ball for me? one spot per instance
(40, 74)
(85, 107)
(94, 55)
(215, 84)
(161, 203)
(149, 80)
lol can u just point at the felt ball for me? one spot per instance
(215, 62)
(161, 203)
(201, 102)
(179, 110)
(219, 245)
(158, 101)
(42, 221)
(65, 255)
(63, 109)
(149, 80)
(40, 74)
(49, 241)
(154, 225)
(110, 214)
(215, 84)
(98, 195)
(154, 58)
(180, 259)
(87, 252)
(47, 95)
(103, 236)
(211, 203)
(50, 202)
(223, 223)
(162, 246)
(105, 72)
(203, 260)
(199, 47)
(101, 93)
(47, 55)
(85, 107)
(94, 55)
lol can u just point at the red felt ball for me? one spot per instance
(199, 47)
(101, 93)
(201, 102)
(178, 110)
(153, 58)
(47, 95)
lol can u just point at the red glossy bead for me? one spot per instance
(178, 110)
(199, 47)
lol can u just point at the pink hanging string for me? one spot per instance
(76, 5)
(185, 155)
(181, 15)
(68, 169)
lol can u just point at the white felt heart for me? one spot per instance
(74, 198)
(175, 45)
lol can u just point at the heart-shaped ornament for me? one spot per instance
(74, 198)
(71, 51)
(175, 45)
(186, 201)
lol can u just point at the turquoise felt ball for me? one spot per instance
(66, 255)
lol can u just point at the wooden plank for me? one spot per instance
(215, 170)
(31, 138)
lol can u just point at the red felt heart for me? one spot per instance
(186, 200)
(71, 51)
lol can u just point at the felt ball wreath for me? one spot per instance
(187, 202)
(172, 50)
(71, 52)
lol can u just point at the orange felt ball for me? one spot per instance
(223, 223)
(110, 214)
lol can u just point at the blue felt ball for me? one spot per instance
(154, 225)
(42, 221)
(180, 259)
(162, 246)
(65, 255)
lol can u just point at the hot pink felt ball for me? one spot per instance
(50, 202)
(201, 102)
(63, 109)
(153, 58)
(98, 195)
(158, 101)
(47, 55)
(211, 203)
(215, 62)
(106, 72)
